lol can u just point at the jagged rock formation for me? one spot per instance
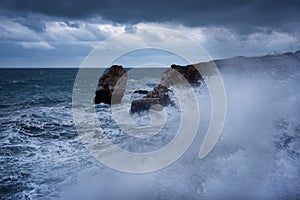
(111, 86)
(179, 74)
(143, 104)
(158, 96)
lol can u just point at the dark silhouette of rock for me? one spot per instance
(179, 74)
(155, 99)
(159, 95)
(160, 92)
(111, 86)
(141, 92)
(143, 104)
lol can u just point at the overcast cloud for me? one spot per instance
(62, 33)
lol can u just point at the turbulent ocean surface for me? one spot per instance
(257, 156)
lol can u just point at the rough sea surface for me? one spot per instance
(257, 156)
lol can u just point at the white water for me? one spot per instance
(257, 156)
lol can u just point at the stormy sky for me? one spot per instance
(62, 33)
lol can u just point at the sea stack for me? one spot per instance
(179, 74)
(159, 96)
(111, 86)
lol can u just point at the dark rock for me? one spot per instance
(143, 104)
(179, 74)
(141, 92)
(159, 95)
(111, 86)
(155, 99)
(103, 96)
(160, 92)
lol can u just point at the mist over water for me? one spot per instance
(257, 156)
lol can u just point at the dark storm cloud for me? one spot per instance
(235, 13)
(62, 33)
(31, 22)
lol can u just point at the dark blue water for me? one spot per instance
(37, 131)
(41, 155)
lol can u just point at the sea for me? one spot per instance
(257, 156)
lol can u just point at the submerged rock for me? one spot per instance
(111, 86)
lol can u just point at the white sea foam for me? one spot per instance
(257, 156)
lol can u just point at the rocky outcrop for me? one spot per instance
(179, 74)
(143, 104)
(111, 86)
(160, 94)
(154, 99)
(141, 92)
